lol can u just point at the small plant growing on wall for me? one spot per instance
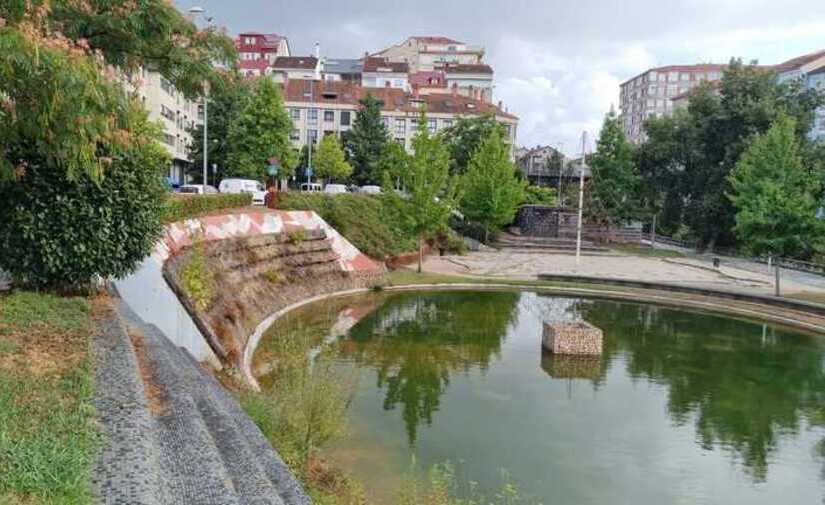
(296, 237)
(197, 279)
(274, 275)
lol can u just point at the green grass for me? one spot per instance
(47, 431)
(646, 252)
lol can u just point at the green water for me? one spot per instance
(682, 407)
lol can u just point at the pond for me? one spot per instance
(681, 407)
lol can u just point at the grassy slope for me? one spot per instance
(47, 433)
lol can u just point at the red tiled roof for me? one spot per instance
(394, 99)
(435, 39)
(463, 68)
(429, 79)
(799, 61)
(373, 64)
(301, 62)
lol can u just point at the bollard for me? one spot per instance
(776, 283)
(716, 262)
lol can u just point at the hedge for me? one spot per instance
(179, 207)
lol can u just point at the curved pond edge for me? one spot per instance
(646, 292)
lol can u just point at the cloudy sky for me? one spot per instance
(558, 63)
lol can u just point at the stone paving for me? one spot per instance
(686, 271)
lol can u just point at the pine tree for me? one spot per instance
(614, 187)
(330, 161)
(258, 133)
(774, 195)
(491, 192)
(366, 141)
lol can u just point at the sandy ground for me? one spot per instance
(527, 265)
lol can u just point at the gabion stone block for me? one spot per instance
(571, 338)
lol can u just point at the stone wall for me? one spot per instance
(544, 221)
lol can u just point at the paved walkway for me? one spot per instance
(691, 271)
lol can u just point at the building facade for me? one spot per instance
(651, 92)
(319, 108)
(810, 70)
(257, 52)
(295, 67)
(383, 73)
(176, 115)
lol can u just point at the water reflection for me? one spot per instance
(415, 341)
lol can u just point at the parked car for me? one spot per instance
(370, 190)
(335, 188)
(244, 186)
(311, 187)
(196, 189)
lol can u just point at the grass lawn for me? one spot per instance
(646, 252)
(47, 431)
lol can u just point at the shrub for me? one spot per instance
(372, 223)
(197, 278)
(61, 232)
(538, 195)
(296, 237)
(179, 207)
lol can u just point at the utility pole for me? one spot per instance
(205, 128)
(581, 201)
(311, 139)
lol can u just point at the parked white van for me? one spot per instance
(335, 188)
(244, 186)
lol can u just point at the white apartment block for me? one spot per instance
(176, 115)
(651, 93)
(423, 53)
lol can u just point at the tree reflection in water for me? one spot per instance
(416, 340)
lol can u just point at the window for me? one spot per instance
(329, 116)
(652, 89)
(684, 76)
(295, 114)
(400, 127)
(312, 136)
(672, 90)
(167, 113)
(387, 121)
(295, 134)
(169, 139)
(345, 118)
(662, 77)
(432, 125)
(673, 76)
(447, 123)
(399, 83)
(167, 86)
(249, 40)
(652, 76)
(400, 140)
(312, 115)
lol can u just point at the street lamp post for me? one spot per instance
(581, 201)
(194, 12)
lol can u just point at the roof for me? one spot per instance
(799, 61)
(463, 68)
(395, 99)
(435, 39)
(342, 66)
(700, 67)
(270, 39)
(820, 70)
(377, 64)
(261, 64)
(428, 79)
(301, 62)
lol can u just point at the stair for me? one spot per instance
(528, 243)
(200, 446)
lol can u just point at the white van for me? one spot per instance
(244, 186)
(335, 188)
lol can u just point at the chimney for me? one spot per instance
(317, 50)
(499, 105)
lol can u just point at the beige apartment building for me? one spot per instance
(652, 92)
(176, 115)
(319, 108)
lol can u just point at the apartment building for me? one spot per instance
(810, 69)
(319, 108)
(342, 69)
(535, 165)
(257, 52)
(651, 92)
(176, 115)
(381, 73)
(295, 67)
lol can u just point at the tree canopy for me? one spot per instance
(466, 135)
(330, 161)
(259, 132)
(775, 195)
(614, 186)
(491, 192)
(366, 142)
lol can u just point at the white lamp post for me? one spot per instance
(581, 201)
(195, 12)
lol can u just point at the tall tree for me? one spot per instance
(366, 141)
(394, 163)
(466, 135)
(491, 192)
(614, 186)
(258, 133)
(330, 161)
(225, 104)
(775, 195)
(432, 190)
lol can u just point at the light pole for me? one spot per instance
(194, 12)
(581, 201)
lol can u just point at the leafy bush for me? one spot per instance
(373, 224)
(197, 278)
(179, 207)
(61, 232)
(537, 195)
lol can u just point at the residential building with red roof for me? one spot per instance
(424, 52)
(258, 51)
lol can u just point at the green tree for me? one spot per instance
(615, 183)
(258, 133)
(491, 192)
(466, 135)
(225, 105)
(394, 162)
(330, 161)
(366, 141)
(775, 195)
(432, 190)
